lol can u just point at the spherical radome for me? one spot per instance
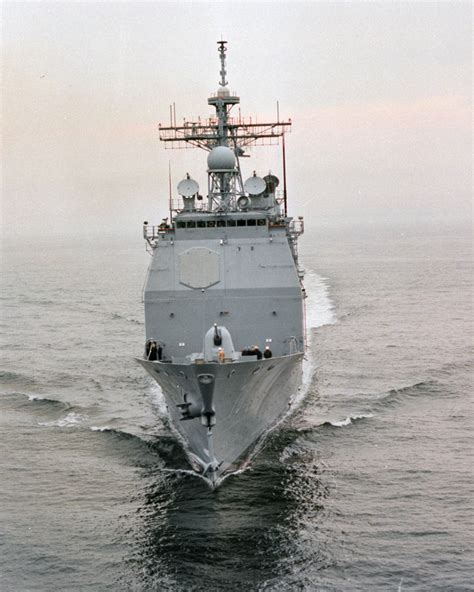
(223, 92)
(221, 158)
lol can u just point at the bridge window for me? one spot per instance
(221, 223)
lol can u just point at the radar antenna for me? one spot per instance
(225, 136)
(224, 129)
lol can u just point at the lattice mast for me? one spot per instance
(235, 133)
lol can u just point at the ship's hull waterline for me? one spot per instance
(250, 399)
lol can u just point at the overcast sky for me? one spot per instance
(379, 95)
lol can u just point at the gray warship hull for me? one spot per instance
(252, 397)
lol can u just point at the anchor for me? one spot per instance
(189, 409)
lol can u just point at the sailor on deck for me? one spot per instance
(267, 353)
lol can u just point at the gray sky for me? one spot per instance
(379, 95)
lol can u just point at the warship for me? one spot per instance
(224, 298)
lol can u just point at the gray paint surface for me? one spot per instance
(257, 295)
(250, 398)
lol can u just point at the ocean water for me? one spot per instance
(368, 486)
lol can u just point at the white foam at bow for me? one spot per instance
(159, 400)
(319, 307)
(319, 312)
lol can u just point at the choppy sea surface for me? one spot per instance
(368, 486)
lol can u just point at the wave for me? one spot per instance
(109, 431)
(294, 449)
(144, 450)
(7, 377)
(394, 395)
(36, 402)
(70, 420)
(39, 400)
(386, 400)
(122, 434)
(348, 420)
(101, 429)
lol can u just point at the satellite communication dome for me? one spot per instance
(221, 158)
(223, 92)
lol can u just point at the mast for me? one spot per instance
(226, 133)
(223, 129)
(222, 93)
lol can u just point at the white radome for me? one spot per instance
(223, 92)
(221, 158)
